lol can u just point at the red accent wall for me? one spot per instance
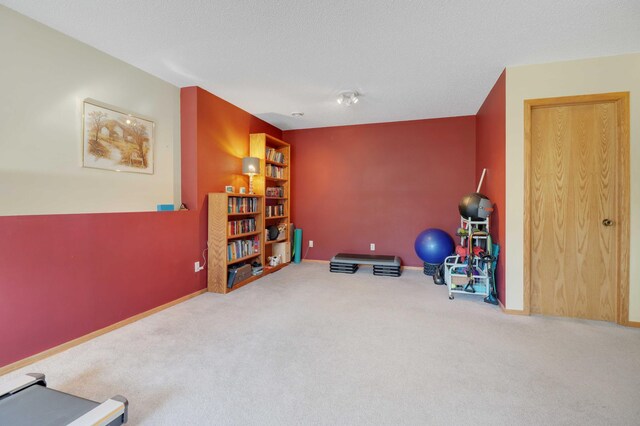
(380, 183)
(64, 276)
(215, 138)
(491, 154)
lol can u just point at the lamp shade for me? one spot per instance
(250, 166)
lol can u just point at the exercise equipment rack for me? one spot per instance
(469, 278)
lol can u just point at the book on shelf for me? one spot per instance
(277, 210)
(242, 205)
(274, 155)
(241, 226)
(274, 191)
(241, 248)
(274, 171)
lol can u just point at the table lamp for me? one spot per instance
(251, 167)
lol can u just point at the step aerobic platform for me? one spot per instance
(345, 268)
(388, 266)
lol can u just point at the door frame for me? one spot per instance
(621, 192)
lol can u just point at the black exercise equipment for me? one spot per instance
(430, 268)
(346, 263)
(476, 206)
(345, 268)
(438, 277)
(490, 261)
(27, 401)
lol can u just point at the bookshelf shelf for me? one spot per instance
(275, 163)
(248, 281)
(242, 259)
(246, 234)
(244, 214)
(275, 158)
(271, 269)
(275, 241)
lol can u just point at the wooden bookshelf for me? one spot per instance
(275, 156)
(219, 236)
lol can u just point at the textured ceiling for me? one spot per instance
(409, 59)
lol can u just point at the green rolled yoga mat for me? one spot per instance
(297, 245)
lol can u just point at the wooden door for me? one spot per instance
(575, 215)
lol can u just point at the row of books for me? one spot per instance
(242, 205)
(275, 191)
(241, 248)
(273, 155)
(242, 226)
(277, 210)
(274, 171)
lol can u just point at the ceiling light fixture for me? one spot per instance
(297, 114)
(348, 98)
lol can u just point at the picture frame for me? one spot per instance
(114, 139)
(243, 190)
(229, 189)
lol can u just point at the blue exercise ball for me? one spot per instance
(433, 245)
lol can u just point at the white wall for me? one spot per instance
(599, 75)
(44, 76)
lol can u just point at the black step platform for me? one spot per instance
(345, 268)
(388, 266)
(387, 271)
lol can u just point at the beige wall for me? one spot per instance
(599, 75)
(44, 76)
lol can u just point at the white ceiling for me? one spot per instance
(410, 59)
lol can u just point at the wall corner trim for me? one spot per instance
(513, 311)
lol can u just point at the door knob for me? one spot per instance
(607, 222)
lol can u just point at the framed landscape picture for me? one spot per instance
(116, 140)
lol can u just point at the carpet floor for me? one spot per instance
(307, 347)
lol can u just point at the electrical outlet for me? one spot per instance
(373, 247)
(310, 243)
(196, 267)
